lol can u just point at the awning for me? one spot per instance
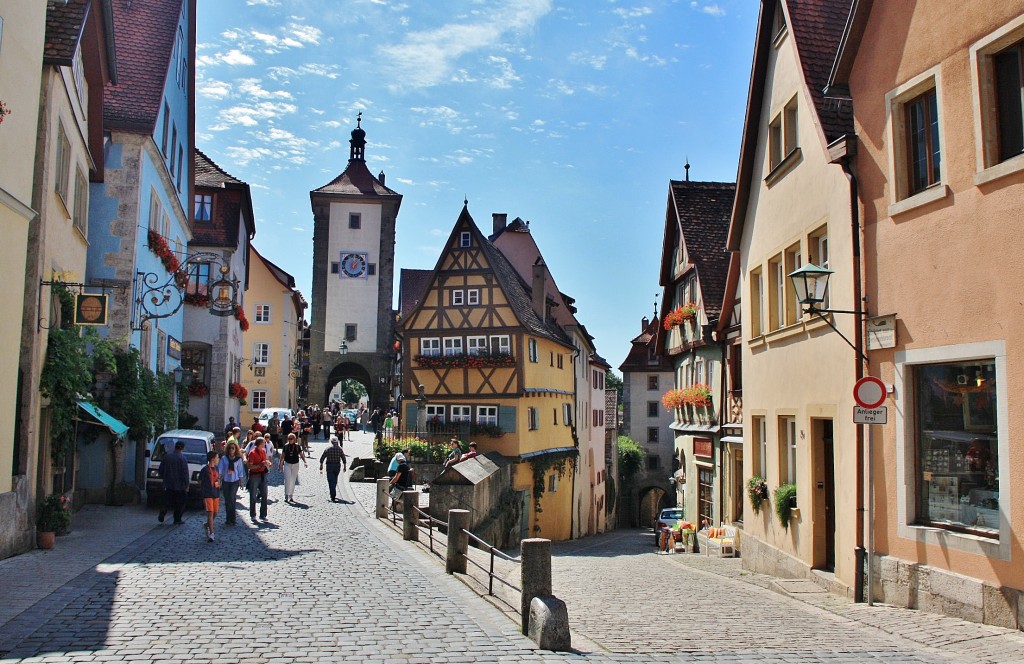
(732, 439)
(555, 450)
(686, 427)
(116, 426)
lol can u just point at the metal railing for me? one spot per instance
(494, 552)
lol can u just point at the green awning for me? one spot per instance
(116, 426)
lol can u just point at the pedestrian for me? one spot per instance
(399, 458)
(389, 425)
(209, 489)
(290, 457)
(230, 426)
(334, 457)
(375, 422)
(455, 455)
(361, 417)
(256, 426)
(341, 427)
(305, 428)
(231, 469)
(274, 429)
(327, 417)
(471, 453)
(402, 481)
(259, 464)
(236, 435)
(287, 426)
(175, 475)
(315, 420)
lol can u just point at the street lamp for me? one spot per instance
(343, 347)
(810, 283)
(178, 374)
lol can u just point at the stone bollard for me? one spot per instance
(549, 624)
(458, 541)
(383, 487)
(410, 517)
(535, 553)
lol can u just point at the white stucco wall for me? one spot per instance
(346, 297)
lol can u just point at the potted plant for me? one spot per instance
(53, 518)
(757, 489)
(785, 500)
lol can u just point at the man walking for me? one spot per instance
(335, 459)
(174, 471)
(259, 465)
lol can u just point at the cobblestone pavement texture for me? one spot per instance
(336, 585)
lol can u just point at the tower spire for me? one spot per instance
(358, 141)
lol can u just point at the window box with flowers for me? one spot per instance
(680, 315)
(699, 395)
(201, 300)
(158, 245)
(477, 361)
(238, 391)
(243, 322)
(197, 389)
(674, 399)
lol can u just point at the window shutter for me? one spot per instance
(410, 416)
(507, 418)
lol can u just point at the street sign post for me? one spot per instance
(863, 415)
(869, 392)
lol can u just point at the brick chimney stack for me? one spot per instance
(499, 220)
(538, 287)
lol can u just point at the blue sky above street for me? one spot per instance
(571, 115)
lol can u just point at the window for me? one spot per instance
(1009, 84)
(193, 361)
(793, 261)
(355, 220)
(204, 207)
(465, 239)
(567, 414)
(435, 413)
(350, 331)
(81, 215)
(261, 353)
(705, 494)
(997, 77)
(487, 415)
(957, 446)
(259, 400)
(198, 279)
(155, 211)
(181, 162)
(923, 153)
(760, 441)
(757, 327)
(174, 143)
(431, 347)
(652, 409)
(78, 72)
(180, 66)
(262, 313)
(500, 343)
(163, 133)
(778, 23)
(458, 298)
(462, 413)
(62, 177)
(915, 152)
(787, 450)
(782, 136)
(165, 226)
(532, 347)
(533, 417)
(652, 383)
(335, 267)
(552, 358)
(817, 253)
(776, 293)
(559, 360)
(473, 296)
(371, 269)
(652, 434)
(554, 416)
(477, 345)
(453, 345)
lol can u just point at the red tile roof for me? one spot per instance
(638, 358)
(412, 286)
(232, 203)
(356, 180)
(817, 27)
(64, 26)
(145, 33)
(209, 174)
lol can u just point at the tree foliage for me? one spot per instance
(141, 399)
(631, 458)
(613, 382)
(65, 379)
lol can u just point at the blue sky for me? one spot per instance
(572, 115)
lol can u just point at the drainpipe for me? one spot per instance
(721, 410)
(575, 439)
(858, 342)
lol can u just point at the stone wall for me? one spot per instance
(16, 530)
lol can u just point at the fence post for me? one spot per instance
(458, 541)
(535, 553)
(410, 518)
(383, 485)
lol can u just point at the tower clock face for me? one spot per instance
(353, 265)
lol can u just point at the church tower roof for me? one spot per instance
(356, 179)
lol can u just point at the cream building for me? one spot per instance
(275, 310)
(793, 207)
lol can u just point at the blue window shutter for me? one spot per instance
(410, 416)
(507, 418)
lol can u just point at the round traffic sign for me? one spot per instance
(869, 392)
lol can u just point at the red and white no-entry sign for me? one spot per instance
(869, 392)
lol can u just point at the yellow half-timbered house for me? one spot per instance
(484, 345)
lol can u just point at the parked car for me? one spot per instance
(666, 517)
(268, 413)
(197, 444)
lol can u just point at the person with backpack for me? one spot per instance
(259, 464)
(209, 491)
(231, 469)
(290, 457)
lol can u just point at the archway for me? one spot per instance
(347, 371)
(652, 500)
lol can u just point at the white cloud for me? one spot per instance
(305, 33)
(308, 69)
(428, 57)
(214, 89)
(596, 61)
(634, 12)
(266, 3)
(253, 88)
(712, 9)
(250, 115)
(506, 75)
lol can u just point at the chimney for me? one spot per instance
(499, 219)
(381, 177)
(644, 323)
(538, 287)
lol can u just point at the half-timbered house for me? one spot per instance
(484, 346)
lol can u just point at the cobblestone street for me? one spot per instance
(326, 582)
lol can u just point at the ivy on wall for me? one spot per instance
(541, 466)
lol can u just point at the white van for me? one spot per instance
(197, 444)
(280, 411)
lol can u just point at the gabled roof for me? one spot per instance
(356, 180)
(145, 33)
(517, 292)
(209, 174)
(412, 286)
(286, 280)
(223, 229)
(700, 211)
(639, 350)
(64, 26)
(816, 27)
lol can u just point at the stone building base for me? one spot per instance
(16, 532)
(916, 586)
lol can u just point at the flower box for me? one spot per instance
(680, 315)
(158, 245)
(463, 361)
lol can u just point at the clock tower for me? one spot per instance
(354, 219)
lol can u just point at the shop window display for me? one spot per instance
(958, 451)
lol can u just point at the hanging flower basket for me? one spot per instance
(699, 395)
(243, 322)
(4, 111)
(466, 361)
(198, 390)
(238, 391)
(673, 399)
(680, 315)
(158, 245)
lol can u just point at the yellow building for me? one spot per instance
(488, 352)
(274, 309)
